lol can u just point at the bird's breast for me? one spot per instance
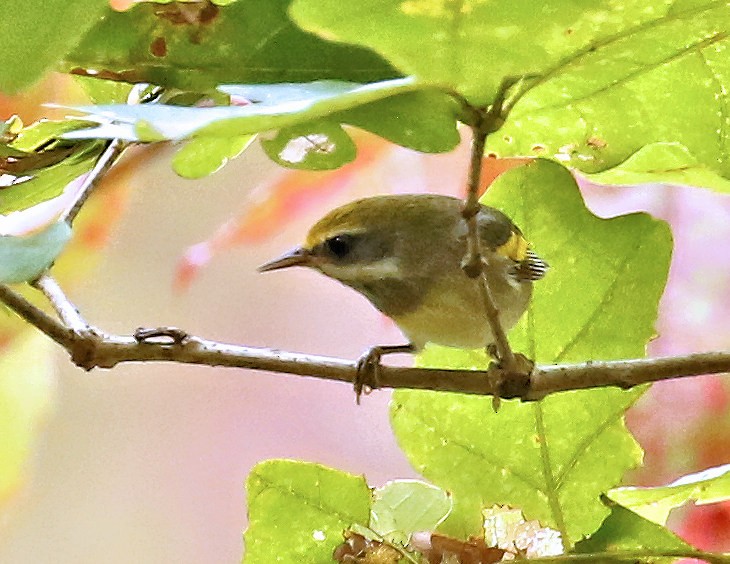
(454, 315)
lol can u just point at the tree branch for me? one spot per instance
(36, 317)
(90, 348)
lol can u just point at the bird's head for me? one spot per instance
(365, 240)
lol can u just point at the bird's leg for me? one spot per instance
(496, 381)
(368, 366)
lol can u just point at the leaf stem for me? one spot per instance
(632, 556)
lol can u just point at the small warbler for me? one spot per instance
(404, 253)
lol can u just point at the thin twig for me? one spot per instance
(474, 262)
(482, 124)
(67, 311)
(110, 155)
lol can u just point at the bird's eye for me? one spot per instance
(339, 245)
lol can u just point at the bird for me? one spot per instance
(404, 253)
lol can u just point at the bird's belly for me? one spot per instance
(457, 319)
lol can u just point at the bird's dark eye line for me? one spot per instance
(339, 245)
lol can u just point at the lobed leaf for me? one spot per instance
(651, 100)
(471, 46)
(666, 163)
(203, 156)
(299, 510)
(322, 145)
(552, 458)
(604, 84)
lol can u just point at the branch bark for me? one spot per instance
(90, 348)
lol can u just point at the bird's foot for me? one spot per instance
(368, 367)
(514, 383)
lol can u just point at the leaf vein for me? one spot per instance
(689, 50)
(493, 461)
(722, 113)
(597, 310)
(319, 506)
(547, 471)
(586, 442)
(576, 57)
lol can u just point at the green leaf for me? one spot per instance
(471, 45)
(37, 34)
(655, 503)
(45, 184)
(552, 458)
(322, 145)
(652, 100)
(667, 163)
(599, 83)
(397, 109)
(422, 120)
(605, 273)
(402, 507)
(298, 511)
(625, 530)
(102, 91)
(25, 258)
(27, 381)
(41, 133)
(248, 41)
(202, 156)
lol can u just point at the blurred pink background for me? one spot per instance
(147, 463)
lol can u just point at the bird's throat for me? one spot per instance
(392, 296)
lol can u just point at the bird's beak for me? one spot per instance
(296, 257)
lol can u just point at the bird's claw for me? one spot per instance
(514, 383)
(368, 369)
(367, 377)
